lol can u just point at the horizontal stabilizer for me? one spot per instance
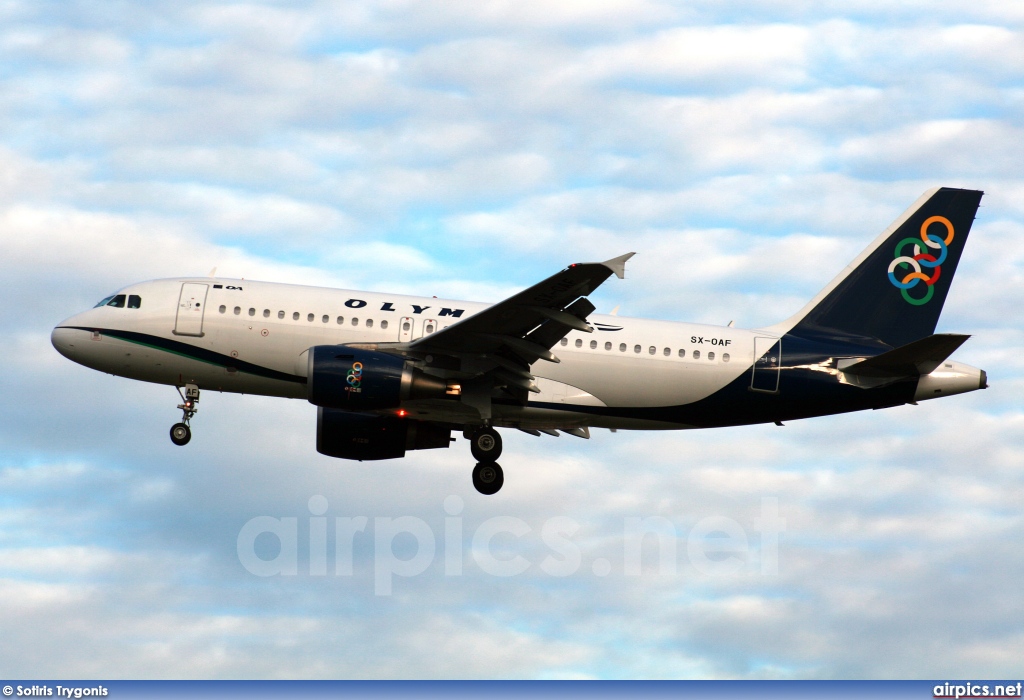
(913, 359)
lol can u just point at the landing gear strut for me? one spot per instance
(485, 444)
(180, 432)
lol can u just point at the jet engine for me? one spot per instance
(354, 379)
(365, 436)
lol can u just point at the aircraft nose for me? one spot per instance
(63, 341)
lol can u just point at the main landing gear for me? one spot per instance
(488, 478)
(180, 432)
(485, 444)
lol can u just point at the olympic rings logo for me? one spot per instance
(355, 375)
(920, 261)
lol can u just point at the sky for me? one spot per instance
(747, 151)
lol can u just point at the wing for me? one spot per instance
(494, 348)
(524, 327)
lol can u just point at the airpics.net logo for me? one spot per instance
(506, 546)
(918, 261)
(977, 690)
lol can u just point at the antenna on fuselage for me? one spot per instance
(213, 272)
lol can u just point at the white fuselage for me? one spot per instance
(266, 329)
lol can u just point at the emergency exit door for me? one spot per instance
(428, 326)
(405, 330)
(191, 307)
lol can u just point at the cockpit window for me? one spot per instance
(134, 301)
(103, 302)
(117, 301)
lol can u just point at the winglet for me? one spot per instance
(618, 265)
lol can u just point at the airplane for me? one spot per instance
(390, 373)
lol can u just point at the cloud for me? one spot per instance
(705, 57)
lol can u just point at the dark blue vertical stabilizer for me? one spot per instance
(895, 290)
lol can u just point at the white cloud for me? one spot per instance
(707, 56)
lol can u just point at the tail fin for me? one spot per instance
(894, 291)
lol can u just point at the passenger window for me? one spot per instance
(280, 314)
(341, 320)
(134, 301)
(607, 346)
(651, 350)
(383, 325)
(369, 323)
(406, 326)
(117, 301)
(222, 309)
(636, 349)
(238, 310)
(310, 318)
(266, 313)
(295, 316)
(667, 352)
(430, 327)
(252, 312)
(326, 318)
(579, 343)
(622, 347)
(564, 341)
(725, 357)
(696, 354)
(711, 356)
(682, 352)
(593, 345)
(355, 321)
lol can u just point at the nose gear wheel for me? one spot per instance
(180, 434)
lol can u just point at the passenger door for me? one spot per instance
(767, 365)
(191, 308)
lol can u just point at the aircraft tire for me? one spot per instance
(180, 434)
(488, 478)
(485, 444)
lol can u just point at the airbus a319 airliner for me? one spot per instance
(392, 373)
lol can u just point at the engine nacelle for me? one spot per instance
(366, 436)
(354, 379)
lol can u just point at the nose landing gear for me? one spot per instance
(485, 444)
(181, 433)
